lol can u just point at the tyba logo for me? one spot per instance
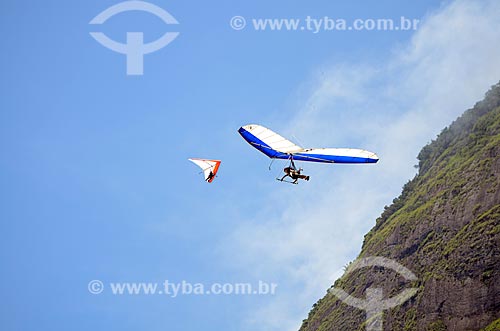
(135, 48)
(374, 305)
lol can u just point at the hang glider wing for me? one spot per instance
(268, 142)
(337, 155)
(277, 147)
(209, 167)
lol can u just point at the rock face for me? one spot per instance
(445, 228)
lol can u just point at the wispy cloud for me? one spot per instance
(392, 109)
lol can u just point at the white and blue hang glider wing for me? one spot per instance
(277, 147)
(268, 142)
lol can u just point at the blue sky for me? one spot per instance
(94, 171)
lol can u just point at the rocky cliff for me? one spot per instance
(445, 228)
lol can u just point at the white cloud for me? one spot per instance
(394, 109)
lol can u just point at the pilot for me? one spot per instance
(293, 173)
(210, 176)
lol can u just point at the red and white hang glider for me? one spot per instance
(209, 167)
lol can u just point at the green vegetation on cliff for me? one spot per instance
(445, 227)
(494, 326)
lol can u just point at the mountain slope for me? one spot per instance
(445, 228)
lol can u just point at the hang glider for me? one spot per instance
(209, 167)
(276, 147)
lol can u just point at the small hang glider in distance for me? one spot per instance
(208, 167)
(277, 147)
